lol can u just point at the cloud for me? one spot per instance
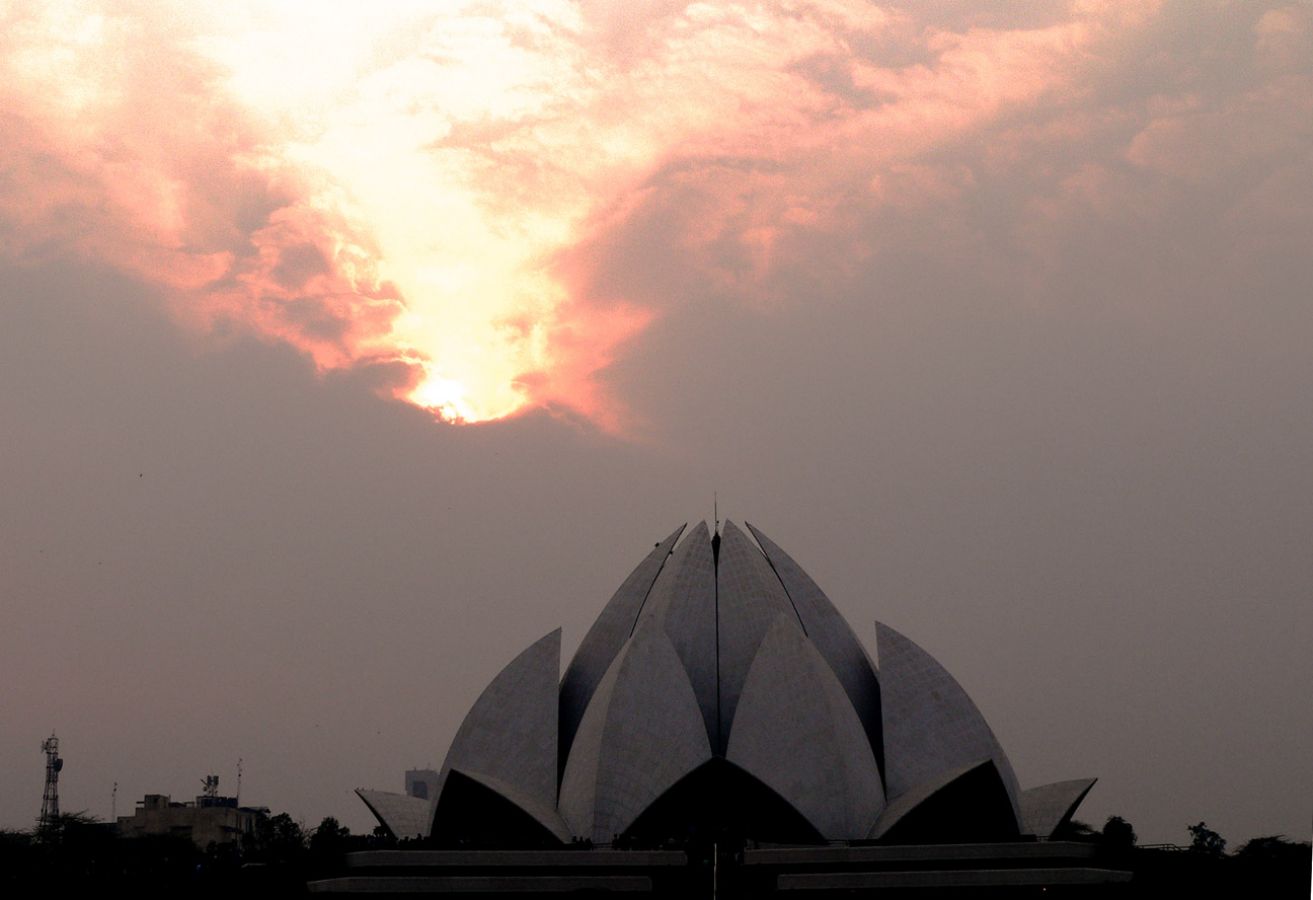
(497, 198)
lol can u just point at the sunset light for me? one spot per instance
(453, 188)
(364, 185)
(347, 349)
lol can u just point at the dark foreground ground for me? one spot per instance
(78, 857)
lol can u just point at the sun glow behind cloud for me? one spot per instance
(437, 135)
(371, 185)
(447, 190)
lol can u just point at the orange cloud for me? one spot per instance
(450, 191)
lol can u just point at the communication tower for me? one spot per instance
(50, 799)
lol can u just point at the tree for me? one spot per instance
(1272, 866)
(1118, 834)
(1273, 848)
(329, 838)
(69, 826)
(1206, 841)
(280, 839)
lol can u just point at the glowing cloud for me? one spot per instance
(366, 185)
(445, 189)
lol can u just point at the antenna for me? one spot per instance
(114, 803)
(715, 547)
(50, 798)
(238, 796)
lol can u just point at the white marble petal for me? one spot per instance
(510, 733)
(931, 726)
(682, 603)
(605, 638)
(750, 600)
(833, 637)
(641, 733)
(797, 732)
(403, 815)
(1047, 808)
(909, 801)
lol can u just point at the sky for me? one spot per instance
(343, 355)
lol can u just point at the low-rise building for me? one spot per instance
(209, 819)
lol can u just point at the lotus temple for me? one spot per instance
(722, 727)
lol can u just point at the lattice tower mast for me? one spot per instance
(50, 799)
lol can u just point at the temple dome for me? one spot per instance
(721, 694)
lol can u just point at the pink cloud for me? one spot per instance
(498, 198)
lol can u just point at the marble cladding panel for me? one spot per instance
(797, 732)
(931, 726)
(832, 636)
(510, 732)
(649, 734)
(750, 600)
(543, 813)
(1046, 808)
(577, 799)
(405, 816)
(907, 802)
(683, 604)
(605, 638)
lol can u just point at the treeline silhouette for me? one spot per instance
(77, 853)
(1269, 866)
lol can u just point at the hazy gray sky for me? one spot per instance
(996, 316)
